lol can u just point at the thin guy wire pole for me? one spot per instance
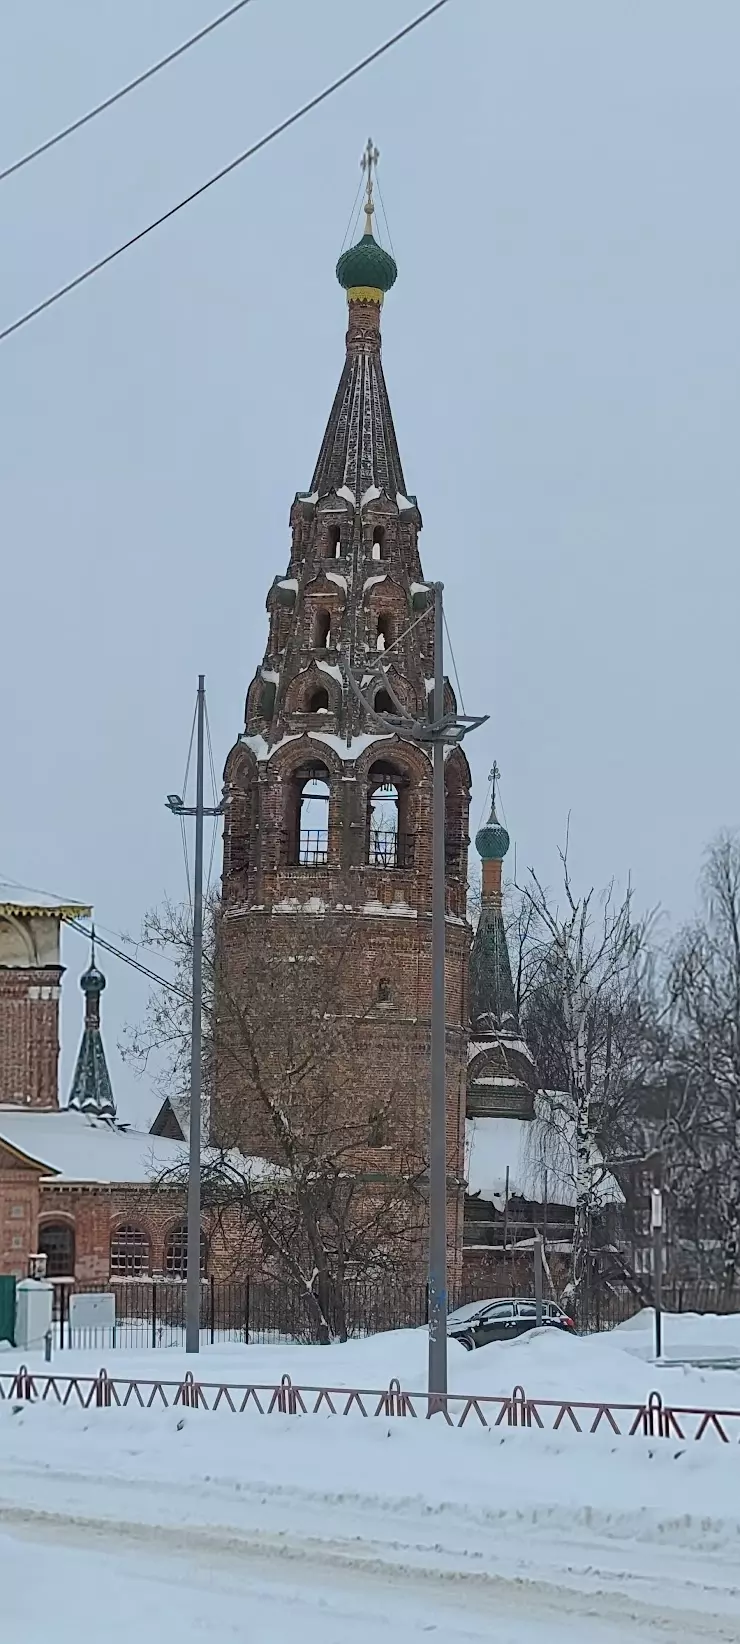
(438, 1104)
(116, 97)
(192, 1300)
(277, 131)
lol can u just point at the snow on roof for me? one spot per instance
(20, 900)
(331, 668)
(419, 588)
(75, 1148)
(369, 581)
(72, 1147)
(349, 496)
(402, 502)
(528, 1148)
(336, 576)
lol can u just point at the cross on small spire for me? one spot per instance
(369, 164)
(493, 776)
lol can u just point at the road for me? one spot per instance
(81, 1557)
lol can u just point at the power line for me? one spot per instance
(151, 975)
(454, 664)
(108, 102)
(284, 125)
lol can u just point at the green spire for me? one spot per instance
(91, 1091)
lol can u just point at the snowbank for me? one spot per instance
(615, 1366)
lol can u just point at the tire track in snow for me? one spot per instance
(351, 1560)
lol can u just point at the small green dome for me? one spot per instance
(92, 980)
(492, 841)
(367, 264)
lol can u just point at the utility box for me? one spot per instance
(33, 1314)
(92, 1319)
(7, 1308)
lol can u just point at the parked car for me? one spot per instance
(502, 1320)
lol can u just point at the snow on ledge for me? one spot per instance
(336, 576)
(356, 747)
(370, 581)
(261, 747)
(330, 668)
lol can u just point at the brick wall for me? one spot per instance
(19, 1204)
(29, 1036)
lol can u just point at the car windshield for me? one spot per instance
(472, 1310)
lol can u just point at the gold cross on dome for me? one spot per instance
(369, 164)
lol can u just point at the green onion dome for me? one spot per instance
(366, 267)
(492, 841)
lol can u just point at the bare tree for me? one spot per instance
(312, 1168)
(589, 1014)
(701, 1139)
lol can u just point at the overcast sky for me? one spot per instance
(561, 351)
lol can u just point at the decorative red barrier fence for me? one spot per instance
(653, 1419)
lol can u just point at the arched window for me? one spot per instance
(384, 635)
(322, 630)
(318, 701)
(389, 844)
(383, 703)
(335, 542)
(377, 1129)
(309, 831)
(57, 1243)
(129, 1252)
(267, 699)
(378, 550)
(384, 991)
(176, 1253)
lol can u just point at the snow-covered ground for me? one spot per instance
(173, 1525)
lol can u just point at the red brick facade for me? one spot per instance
(29, 1036)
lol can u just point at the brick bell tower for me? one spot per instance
(328, 813)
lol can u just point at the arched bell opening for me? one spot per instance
(308, 820)
(389, 842)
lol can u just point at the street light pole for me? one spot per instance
(438, 1103)
(176, 804)
(192, 1298)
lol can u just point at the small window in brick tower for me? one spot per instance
(318, 702)
(383, 703)
(335, 542)
(378, 542)
(322, 630)
(384, 634)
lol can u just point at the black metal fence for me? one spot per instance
(151, 1313)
